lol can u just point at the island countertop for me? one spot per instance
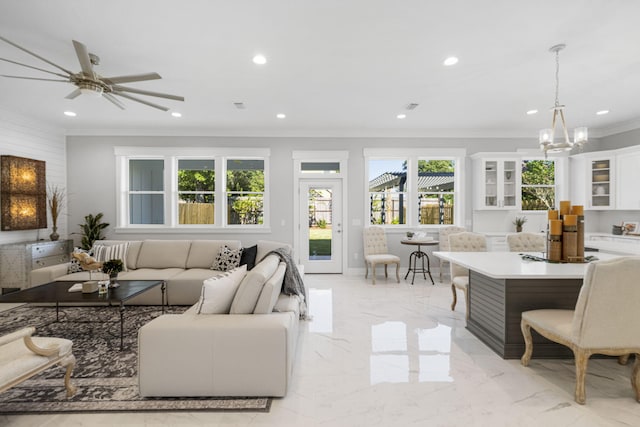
(510, 265)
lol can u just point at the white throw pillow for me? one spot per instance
(218, 292)
(270, 291)
(227, 259)
(103, 253)
(249, 291)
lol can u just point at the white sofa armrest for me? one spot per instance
(217, 355)
(43, 275)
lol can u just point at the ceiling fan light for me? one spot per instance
(91, 89)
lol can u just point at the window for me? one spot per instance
(436, 182)
(146, 191)
(166, 187)
(388, 191)
(245, 191)
(538, 185)
(418, 189)
(196, 191)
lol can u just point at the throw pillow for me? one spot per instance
(104, 253)
(74, 264)
(271, 291)
(248, 257)
(218, 292)
(227, 259)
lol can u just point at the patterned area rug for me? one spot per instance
(106, 377)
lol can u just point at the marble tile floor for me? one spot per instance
(396, 355)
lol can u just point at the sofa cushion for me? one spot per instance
(227, 259)
(249, 291)
(132, 252)
(248, 257)
(203, 252)
(164, 254)
(270, 291)
(103, 253)
(218, 292)
(266, 246)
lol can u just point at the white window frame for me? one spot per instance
(171, 155)
(561, 176)
(412, 155)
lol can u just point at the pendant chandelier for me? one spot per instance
(580, 135)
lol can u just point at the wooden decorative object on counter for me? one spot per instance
(570, 238)
(554, 243)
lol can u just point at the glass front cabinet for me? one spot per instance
(498, 184)
(592, 181)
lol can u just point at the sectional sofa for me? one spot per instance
(192, 354)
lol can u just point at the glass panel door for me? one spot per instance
(321, 226)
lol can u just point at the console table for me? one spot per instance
(18, 259)
(502, 285)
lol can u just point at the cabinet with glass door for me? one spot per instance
(498, 185)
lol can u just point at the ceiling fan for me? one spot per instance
(88, 81)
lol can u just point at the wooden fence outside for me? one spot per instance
(195, 213)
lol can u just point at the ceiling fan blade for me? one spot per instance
(74, 94)
(83, 57)
(131, 78)
(34, 78)
(113, 100)
(142, 101)
(118, 88)
(32, 67)
(36, 55)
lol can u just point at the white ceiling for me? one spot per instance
(335, 67)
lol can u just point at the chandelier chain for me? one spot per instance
(557, 77)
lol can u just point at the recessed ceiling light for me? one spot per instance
(70, 113)
(452, 60)
(602, 112)
(259, 59)
(401, 116)
(176, 114)
(530, 112)
(281, 116)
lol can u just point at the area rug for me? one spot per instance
(105, 376)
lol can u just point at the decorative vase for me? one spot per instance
(113, 280)
(54, 236)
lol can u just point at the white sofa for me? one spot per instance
(183, 264)
(194, 354)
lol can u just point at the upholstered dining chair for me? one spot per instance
(376, 252)
(526, 242)
(443, 238)
(604, 321)
(464, 242)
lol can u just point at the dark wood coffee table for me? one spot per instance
(58, 292)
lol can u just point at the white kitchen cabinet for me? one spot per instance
(497, 183)
(628, 179)
(593, 178)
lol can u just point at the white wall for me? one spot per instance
(91, 180)
(23, 137)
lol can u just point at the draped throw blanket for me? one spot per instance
(292, 283)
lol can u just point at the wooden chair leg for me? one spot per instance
(373, 272)
(366, 269)
(635, 377)
(70, 363)
(624, 359)
(466, 301)
(582, 359)
(386, 274)
(455, 297)
(528, 343)
(398, 272)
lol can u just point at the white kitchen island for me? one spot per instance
(502, 285)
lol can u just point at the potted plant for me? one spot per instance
(112, 268)
(92, 230)
(55, 199)
(409, 235)
(519, 222)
